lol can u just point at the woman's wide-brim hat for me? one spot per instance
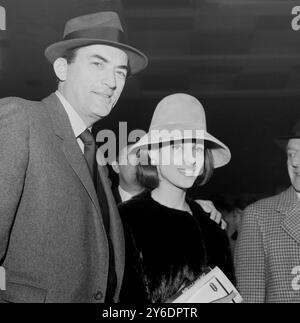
(99, 28)
(181, 117)
(294, 134)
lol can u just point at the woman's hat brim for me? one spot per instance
(137, 60)
(220, 151)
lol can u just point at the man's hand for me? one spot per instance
(215, 215)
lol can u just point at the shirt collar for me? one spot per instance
(77, 123)
(125, 196)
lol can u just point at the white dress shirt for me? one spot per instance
(125, 196)
(77, 123)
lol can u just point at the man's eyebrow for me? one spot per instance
(125, 67)
(99, 57)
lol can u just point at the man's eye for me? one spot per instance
(122, 74)
(98, 64)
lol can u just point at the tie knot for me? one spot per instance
(87, 138)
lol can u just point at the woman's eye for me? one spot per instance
(199, 148)
(176, 147)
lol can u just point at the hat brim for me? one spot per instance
(220, 152)
(283, 140)
(137, 60)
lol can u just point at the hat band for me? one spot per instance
(101, 33)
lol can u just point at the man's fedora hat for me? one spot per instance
(98, 28)
(181, 117)
(283, 140)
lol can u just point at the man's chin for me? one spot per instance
(103, 112)
(296, 186)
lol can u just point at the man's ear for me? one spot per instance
(154, 156)
(115, 167)
(60, 68)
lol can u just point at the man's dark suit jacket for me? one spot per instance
(117, 195)
(53, 244)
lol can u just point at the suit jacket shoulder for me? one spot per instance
(264, 210)
(20, 104)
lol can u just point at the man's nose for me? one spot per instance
(296, 159)
(110, 79)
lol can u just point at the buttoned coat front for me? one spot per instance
(53, 244)
(267, 256)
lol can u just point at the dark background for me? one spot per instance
(240, 58)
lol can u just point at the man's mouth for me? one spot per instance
(105, 96)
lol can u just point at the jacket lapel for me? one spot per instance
(289, 206)
(116, 227)
(73, 154)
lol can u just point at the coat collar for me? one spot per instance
(59, 117)
(289, 206)
(62, 128)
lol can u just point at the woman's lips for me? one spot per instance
(187, 171)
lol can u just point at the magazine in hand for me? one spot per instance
(207, 288)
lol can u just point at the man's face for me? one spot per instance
(293, 162)
(94, 81)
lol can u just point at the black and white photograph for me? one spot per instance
(149, 154)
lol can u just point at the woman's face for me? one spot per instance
(180, 163)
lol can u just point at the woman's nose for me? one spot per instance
(189, 156)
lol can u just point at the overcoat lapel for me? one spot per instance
(74, 156)
(289, 206)
(116, 227)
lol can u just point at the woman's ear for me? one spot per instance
(154, 156)
(60, 68)
(115, 166)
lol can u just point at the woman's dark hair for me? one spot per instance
(147, 174)
(208, 168)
